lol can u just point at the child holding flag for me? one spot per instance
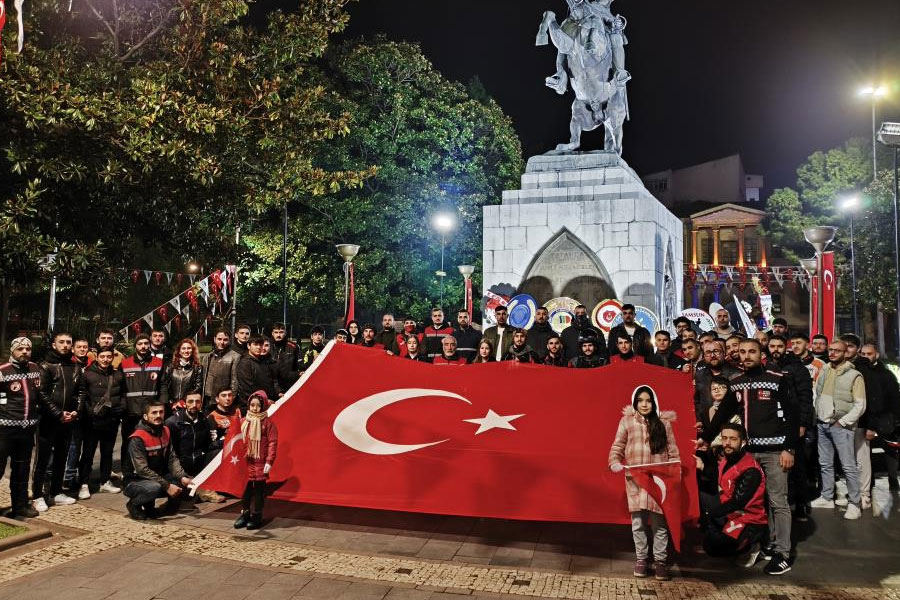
(261, 440)
(645, 437)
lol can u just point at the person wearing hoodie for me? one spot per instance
(102, 402)
(153, 469)
(261, 439)
(578, 330)
(467, 337)
(588, 358)
(520, 351)
(181, 375)
(316, 346)
(22, 401)
(61, 380)
(540, 332)
(192, 438)
(219, 368)
(554, 355)
(409, 328)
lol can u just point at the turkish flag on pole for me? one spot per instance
(814, 309)
(2, 23)
(351, 298)
(828, 303)
(663, 482)
(503, 440)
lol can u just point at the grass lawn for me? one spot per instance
(10, 530)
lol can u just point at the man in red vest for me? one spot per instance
(736, 520)
(152, 470)
(142, 372)
(449, 355)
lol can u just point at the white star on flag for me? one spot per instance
(493, 421)
(235, 460)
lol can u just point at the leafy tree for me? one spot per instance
(437, 146)
(822, 182)
(163, 125)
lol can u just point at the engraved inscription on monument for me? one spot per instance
(566, 267)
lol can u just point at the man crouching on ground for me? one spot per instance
(153, 470)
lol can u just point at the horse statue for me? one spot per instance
(591, 56)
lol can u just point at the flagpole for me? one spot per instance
(668, 462)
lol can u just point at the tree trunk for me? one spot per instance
(868, 325)
(879, 316)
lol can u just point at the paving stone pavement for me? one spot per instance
(118, 558)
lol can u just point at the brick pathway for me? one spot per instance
(120, 558)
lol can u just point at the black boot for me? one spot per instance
(150, 510)
(25, 511)
(255, 521)
(242, 520)
(135, 511)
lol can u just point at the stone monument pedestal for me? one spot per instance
(584, 226)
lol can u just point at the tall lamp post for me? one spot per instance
(466, 271)
(819, 238)
(443, 223)
(849, 205)
(890, 137)
(875, 93)
(810, 265)
(348, 252)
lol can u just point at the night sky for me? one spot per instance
(773, 80)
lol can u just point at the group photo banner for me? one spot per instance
(503, 440)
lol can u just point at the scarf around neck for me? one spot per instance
(252, 430)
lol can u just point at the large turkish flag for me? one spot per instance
(509, 440)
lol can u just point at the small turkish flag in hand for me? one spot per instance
(231, 478)
(663, 482)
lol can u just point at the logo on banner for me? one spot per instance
(351, 425)
(829, 279)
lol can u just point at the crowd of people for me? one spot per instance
(777, 416)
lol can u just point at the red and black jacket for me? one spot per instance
(22, 399)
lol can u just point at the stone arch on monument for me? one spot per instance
(566, 266)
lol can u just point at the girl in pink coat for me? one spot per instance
(645, 436)
(261, 439)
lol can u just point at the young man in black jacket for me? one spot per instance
(61, 381)
(153, 469)
(22, 401)
(467, 337)
(254, 374)
(540, 331)
(766, 404)
(192, 440)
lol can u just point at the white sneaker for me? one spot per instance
(852, 513)
(85, 492)
(841, 501)
(40, 505)
(63, 500)
(109, 488)
(821, 502)
(865, 503)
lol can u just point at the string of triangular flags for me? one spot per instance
(741, 276)
(214, 290)
(149, 276)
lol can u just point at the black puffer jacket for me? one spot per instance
(191, 439)
(538, 336)
(180, 379)
(97, 382)
(62, 378)
(797, 377)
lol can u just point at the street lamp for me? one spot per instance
(443, 222)
(348, 252)
(810, 265)
(849, 205)
(890, 137)
(466, 271)
(874, 93)
(819, 237)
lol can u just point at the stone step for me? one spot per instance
(553, 179)
(576, 194)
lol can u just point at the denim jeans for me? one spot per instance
(834, 438)
(777, 493)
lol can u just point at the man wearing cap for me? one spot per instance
(639, 335)
(578, 330)
(588, 357)
(780, 327)
(22, 400)
(143, 372)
